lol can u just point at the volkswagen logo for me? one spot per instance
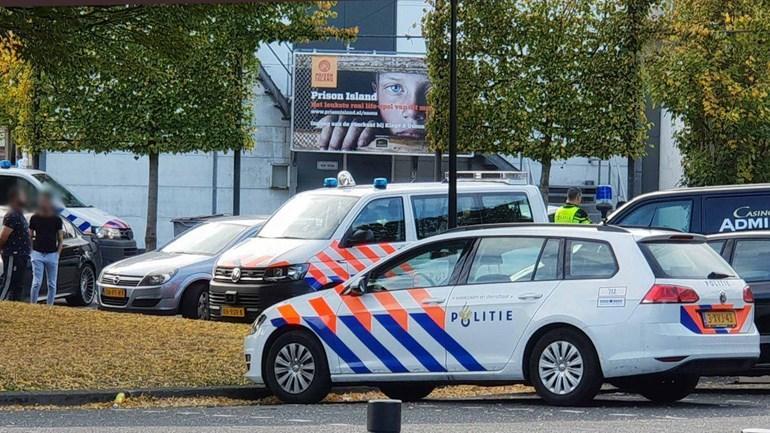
(723, 297)
(116, 279)
(236, 275)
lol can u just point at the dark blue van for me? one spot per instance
(705, 210)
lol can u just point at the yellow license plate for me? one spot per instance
(719, 319)
(114, 292)
(233, 312)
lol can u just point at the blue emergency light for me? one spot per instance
(380, 183)
(5, 164)
(330, 182)
(604, 194)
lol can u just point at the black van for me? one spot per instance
(705, 210)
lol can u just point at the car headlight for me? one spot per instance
(257, 323)
(286, 273)
(108, 233)
(157, 278)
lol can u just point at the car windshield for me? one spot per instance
(689, 260)
(205, 239)
(308, 216)
(68, 199)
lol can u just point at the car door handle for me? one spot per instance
(432, 301)
(530, 296)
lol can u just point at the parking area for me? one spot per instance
(727, 409)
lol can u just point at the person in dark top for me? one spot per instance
(47, 241)
(14, 246)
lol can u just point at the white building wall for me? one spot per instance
(117, 182)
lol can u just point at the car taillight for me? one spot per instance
(748, 295)
(670, 294)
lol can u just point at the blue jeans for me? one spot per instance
(48, 263)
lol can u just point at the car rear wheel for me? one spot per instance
(407, 392)
(667, 389)
(296, 370)
(195, 302)
(564, 368)
(86, 290)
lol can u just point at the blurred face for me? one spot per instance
(44, 204)
(403, 98)
(21, 200)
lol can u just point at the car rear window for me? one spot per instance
(688, 260)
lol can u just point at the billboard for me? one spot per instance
(360, 103)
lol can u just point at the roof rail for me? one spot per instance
(665, 229)
(599, 227)
(509, 177)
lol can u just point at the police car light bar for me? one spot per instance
(510, 177)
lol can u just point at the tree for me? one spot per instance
(169, 79)
(551, 79)
(710, 69)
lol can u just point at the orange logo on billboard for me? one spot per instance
(324, 71)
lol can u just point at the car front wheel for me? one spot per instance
(296, 370)
(564, 368)
(86, 290)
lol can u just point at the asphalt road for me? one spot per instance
(712, 411)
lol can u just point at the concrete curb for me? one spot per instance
(74, 398)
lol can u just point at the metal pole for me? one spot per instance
(214, 183)
(237, 182)
(437, 175)
(452, 208)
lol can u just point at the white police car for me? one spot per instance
(113, 236)
(564, 308)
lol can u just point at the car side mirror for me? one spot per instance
(358, 287)
(360, 237)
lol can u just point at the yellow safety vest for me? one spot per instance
(571, 214)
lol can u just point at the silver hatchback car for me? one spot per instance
(173, 279)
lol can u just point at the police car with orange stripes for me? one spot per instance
(322, 237)
(564, 308)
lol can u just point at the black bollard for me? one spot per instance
(383, 416)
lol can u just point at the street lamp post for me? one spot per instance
(452, 208)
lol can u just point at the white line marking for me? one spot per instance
(623, 414)
(572, 411)
(299, 420)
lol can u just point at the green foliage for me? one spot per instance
(552, 79)
(152, 79)
(711, 69)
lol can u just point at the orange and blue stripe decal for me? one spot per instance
(413, 346)
(374, 345)
(690, 317)
(450, 344)
(337, 345)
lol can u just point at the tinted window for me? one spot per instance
(717, 246)
(384, 218)
(736, 213)
(590, 259)
(751, 259)
(692, 260)
(505, 260)
(671, 214)
(548, 267)
(430, 266)
(430, 212)
(70, 232)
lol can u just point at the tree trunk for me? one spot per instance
(545, 180)
(151, 233)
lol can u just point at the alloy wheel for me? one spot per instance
(560, 367)
(294, 368)
(203, 305)
(87, 285)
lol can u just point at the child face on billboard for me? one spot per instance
(402, 98)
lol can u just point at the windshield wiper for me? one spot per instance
(717, 276)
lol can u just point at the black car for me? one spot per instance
(749, 254)
(77, 269)
(705, 210)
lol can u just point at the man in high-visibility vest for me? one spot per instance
(571, 212)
